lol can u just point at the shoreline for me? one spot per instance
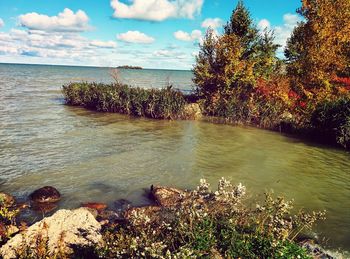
(166, 201)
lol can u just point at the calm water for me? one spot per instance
(91, 156)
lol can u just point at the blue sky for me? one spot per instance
(147, 33)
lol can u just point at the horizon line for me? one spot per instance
(87, 66)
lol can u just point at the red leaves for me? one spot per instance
(344, 81)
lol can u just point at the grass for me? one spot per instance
(119, 98)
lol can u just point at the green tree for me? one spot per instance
(241, 24)
(266, 62)
(204, 69)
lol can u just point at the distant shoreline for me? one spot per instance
(63, 65)
(129, 67)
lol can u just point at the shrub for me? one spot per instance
(153, 103)
(212, 224)
(331, 121)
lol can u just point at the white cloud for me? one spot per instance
(50, 45)
(282, 32)
(185, 36)
(135, 37)
(291, 20)
(264, 24)
(66, 21)
(156, 10)
(2, 24)
(214, 23)
(103, 44)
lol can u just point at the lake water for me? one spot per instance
(92, 156)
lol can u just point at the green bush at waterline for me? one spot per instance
(119, 98)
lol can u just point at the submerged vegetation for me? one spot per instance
(203, 223)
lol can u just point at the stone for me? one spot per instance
(168, 197)
(47, 194)
(44, 208)
(6, 200)
(109, 216)
(95, 205)
(22, 206)
(122, 204)
(64, 231)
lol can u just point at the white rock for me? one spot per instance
(63, 229)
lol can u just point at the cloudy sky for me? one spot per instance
(147, 33)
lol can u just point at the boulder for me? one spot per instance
(109, 217)
(6, 200)
(63, 232)
(95, 206)
(44, 208)
(168, 197)
(22, 206)
(122, 204)
(47, 194)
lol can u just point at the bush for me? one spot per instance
(211, 224)
(153, 103)
(331, 121)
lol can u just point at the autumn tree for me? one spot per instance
(318, 48)
(221, 71)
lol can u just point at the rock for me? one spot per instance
(109, 216)
(168, 197)
(122, 205)
(6, 200)
(192, 111)
(315, 250)
(44, 207)
(95, 205)
(47, 194)
(22, 206)
(63, 231)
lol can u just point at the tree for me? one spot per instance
(316, 51)
(221, 71)
(241, 25)
(266, 62)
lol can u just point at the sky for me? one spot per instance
(161, 34)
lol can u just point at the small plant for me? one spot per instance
(8, 224)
